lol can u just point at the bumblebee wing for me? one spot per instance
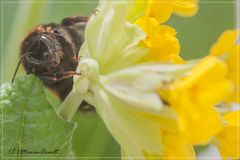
(77, 22)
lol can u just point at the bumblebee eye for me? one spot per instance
(47, 41)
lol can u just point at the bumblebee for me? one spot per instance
(50, 51)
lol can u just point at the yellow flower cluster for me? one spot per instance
(161, 39)
(159, 110)
(195, 96)
(191, 98)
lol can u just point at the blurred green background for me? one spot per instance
(196, 35)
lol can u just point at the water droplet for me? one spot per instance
(96, 12)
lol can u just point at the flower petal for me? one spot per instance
(227, 49)
(132, 130)
(228, 139)
(159, 9)
(109, 37)
(186, 7)
(137, 86)
(194, 96)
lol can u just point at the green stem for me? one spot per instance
(69, 106)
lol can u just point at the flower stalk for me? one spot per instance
(70, 105)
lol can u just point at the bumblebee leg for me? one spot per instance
(84, 107)
(65, 75)
(58, 76)
(48, 78)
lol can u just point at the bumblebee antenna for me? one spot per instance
(18, 65)
(15, 72)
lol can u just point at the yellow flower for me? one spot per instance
(227, 49)
(176, 146)
(194, 96)
(122, 99)
(161, 40)
(162, 9)
(229, 137)
(121, 96)
(136, 9)
(156, 34)
(173, 146)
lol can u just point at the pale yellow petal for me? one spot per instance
(136, 9)
(132, 130)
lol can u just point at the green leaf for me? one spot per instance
(30, 123)
(52, 98)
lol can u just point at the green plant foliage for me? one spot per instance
(30, 123)
(91, 138)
